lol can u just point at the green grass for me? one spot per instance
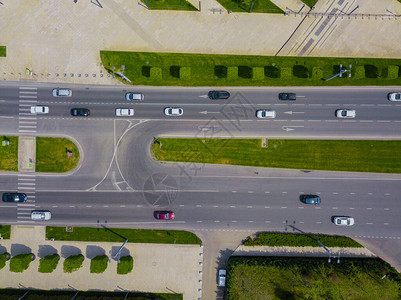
(275, 239)
(263, 278)
(5, 231)
(212, 70)
(51, 155)
(3, 259)
(170, 5)
(9, 154)
(112, 235)
(332, 155)
(20, 263)
(49, 263)
(125, 265)
(2, 51)
(99, 264)
(73, 263)
(310, 3)
(259, 6)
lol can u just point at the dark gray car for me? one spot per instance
(287, 96)
(310, 199)
(14, 197)
(216, 95)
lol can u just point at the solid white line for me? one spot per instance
(6, 206)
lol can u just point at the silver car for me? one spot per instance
(62, 92)
(173, 111)
(39, 109)
(124, 112)
(345, 113)
(265, 114)
(395, 96)
(134, 96)
(41, 215)
(344, 221)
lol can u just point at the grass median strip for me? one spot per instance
(55, 155)
(331, 155)
(2, 51)
(9, 153)
(185, 69)
(90, 234)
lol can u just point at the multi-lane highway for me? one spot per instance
(118, 181)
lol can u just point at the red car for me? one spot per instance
(164, 215)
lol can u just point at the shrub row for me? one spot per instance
(48, 264)
(259, 73)
(300, 240)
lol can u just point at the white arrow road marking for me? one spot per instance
(294, 112)
(290, 128)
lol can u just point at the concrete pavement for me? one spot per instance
(159, 268)
(60, 41)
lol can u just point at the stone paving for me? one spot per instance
(159, 268)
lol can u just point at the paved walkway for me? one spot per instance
(59, 41)
(160, 268)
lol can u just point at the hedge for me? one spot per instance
(286, 73)
(3, 259)
(20, 263)
(232, 72)
(99, 264)
(359, 72)
(73, 263)
(258, 73)
(156, 73)
(125, 265)
(392, 72)
(317, 73)
(185, 73)
(300, 240)
(49, 263)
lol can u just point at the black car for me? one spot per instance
(214, 95)
(310, 199)
(14, 197)
(80, 112)
(287, 96)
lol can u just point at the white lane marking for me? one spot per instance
(198, 221)
(233, 191)
(217, 221)
(267, 221)
(368, 208)
(300, 207)
(181, 205)
(89, 206)
(27, 88)
(386, 223)
(105, 206)
(198, 205)
(284, 192)
(283, 206)
(335, 193)
(233, 221)
(250, 221)
(26, 130)
(351, 208)
(386, 208)
(301, 222)
(28, 96)
(122, 205)
(370, 193)
(250, 192)
(369, 223)
(317, 207)
(267, 192)
(71, 206)
(139, 206)
(232, 206)
(215, 206)
(249, 206)
(267, 206)
(387, 194)
(334, 207)
(318, 222)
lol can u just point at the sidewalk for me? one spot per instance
(158, 268)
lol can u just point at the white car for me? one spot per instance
(41, 215)
(265, 114)
(124, 112)
(222, 277)
(39, 109)
(344, 221)
(173, 111)
(345, 113)
(394, 96)
(61, 92)
(134, 96)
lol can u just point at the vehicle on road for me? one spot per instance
(287, 96)
(124, 112)
(134, 96)
(310, 199)
(173, 111)
(62, 92)
(343, 221)
(80, 112)
(14, 197)
(164, 215)
(41, 215)
(265, 114)
(218, 95)
(395, 96)
(345, 113)
(222, 277)
(39, 109)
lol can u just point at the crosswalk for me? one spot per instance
(28, 96)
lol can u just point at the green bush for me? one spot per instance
(185, 73)
(258, 73)
(359, 72)
(392, 72)
(3, 259)
(300, 71)
(73, 263)
(125, 265)
(286, 73)
(156, 73)
(20, 263)
(317, 73)
(272, 72)
(232, 73)
(99, 264)
(49, 263)
(300, 240)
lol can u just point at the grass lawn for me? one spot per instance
(169, 5)
(261, 278)
(310, 3)
(5, 231)
(51, 155)
(181, 69)
(9, 153)
(259, 6)
(2, 51)
(332, 155)
(119, 234)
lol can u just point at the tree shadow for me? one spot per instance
(92, 251)
(67, 251)
(46, 250)
(20, 249)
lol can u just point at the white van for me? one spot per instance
(41, 215)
